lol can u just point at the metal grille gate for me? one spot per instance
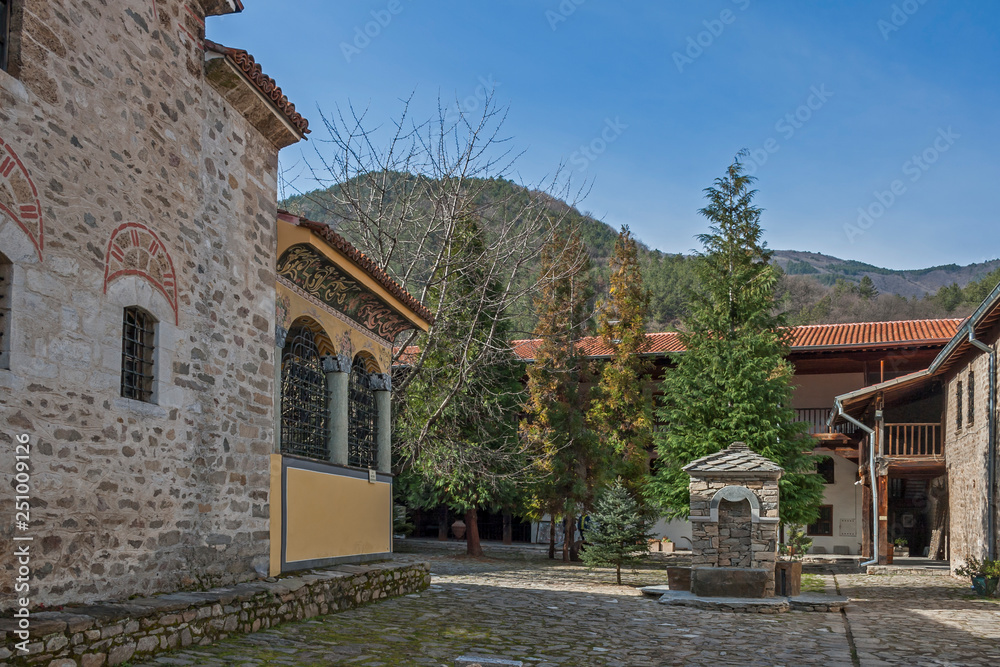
(305, 421)
(362, 450)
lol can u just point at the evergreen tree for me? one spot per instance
(867, 289)
(566, 450)
(619, 534)
(733, 382)
(621, 409)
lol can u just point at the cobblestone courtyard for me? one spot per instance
(520, 605)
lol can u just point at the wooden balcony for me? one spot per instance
(917, 440)
(816, 418)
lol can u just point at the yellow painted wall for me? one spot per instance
(274, 565)
(331, 515)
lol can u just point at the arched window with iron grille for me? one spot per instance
(305, 420)
(362, 448)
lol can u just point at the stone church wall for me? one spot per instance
(151, 191)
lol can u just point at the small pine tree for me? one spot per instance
(619, 533)
(867, 289)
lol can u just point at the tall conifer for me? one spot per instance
(621, 409)
(733, 381)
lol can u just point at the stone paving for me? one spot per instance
(523, 606)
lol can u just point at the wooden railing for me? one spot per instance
(816, 418)
(913, 440)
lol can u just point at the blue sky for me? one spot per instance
(873, 125)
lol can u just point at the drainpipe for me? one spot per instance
(991, 447)
(871, 472)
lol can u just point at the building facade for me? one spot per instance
(143, 317)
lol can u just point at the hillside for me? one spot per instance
(909, 283)
(816, 288)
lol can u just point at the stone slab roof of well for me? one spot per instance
(736, 458)
(855, 335)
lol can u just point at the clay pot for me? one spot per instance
(458, 529)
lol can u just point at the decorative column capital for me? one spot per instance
(280, 334)
(380, 382)
(340, 363)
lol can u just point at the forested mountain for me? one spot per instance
(815, 288)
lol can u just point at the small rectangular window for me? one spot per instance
(825, 470)
(4, 32)
(824, 524)
(970, 417)
(958, 405)
(137, 354)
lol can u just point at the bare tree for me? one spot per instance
(407, 195)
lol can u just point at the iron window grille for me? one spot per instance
(4, 32)
(137, 354)
(362, 450)
(5, 311)
(305, 419)
(972, 399)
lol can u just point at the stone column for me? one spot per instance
(337, 369)
(280, 334)
(381, 384)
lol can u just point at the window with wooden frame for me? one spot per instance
(824, 468)
(6, 278)
(823, 527)
(958, 405)
(138, 340)
(971, 388)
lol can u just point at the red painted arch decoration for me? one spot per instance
(19, 197)
(136, 250)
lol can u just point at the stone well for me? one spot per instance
(734, 522)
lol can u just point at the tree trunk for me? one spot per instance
(443, 524)
(508, 537)
(569, 527)
(472, 546)
(574, 547)
(552, 537)
(618, 570)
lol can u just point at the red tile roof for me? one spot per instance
(814, 336)
(265, 84)
(367, 264)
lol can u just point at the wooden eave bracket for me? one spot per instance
(241, 93)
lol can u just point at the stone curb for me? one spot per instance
(114, 633)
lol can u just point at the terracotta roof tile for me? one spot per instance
(265, 84)
(366, 263)
(830, 336)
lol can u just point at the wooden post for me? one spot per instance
(508, 537)
(443, 524)
(883, 519)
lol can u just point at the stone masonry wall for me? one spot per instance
(122, 139)
(734, 541)
(965, 450)
(138, 629)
